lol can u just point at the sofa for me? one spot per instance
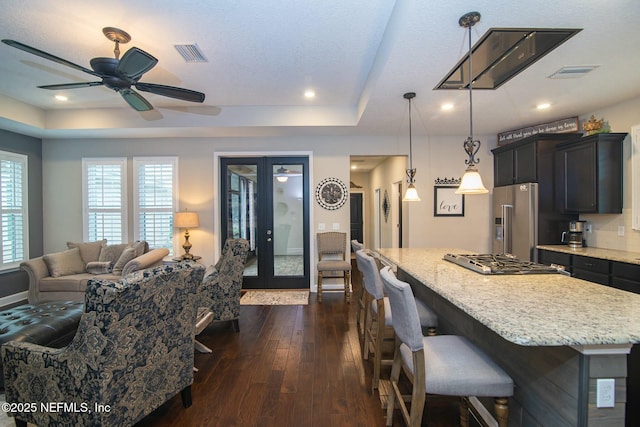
(63, 276)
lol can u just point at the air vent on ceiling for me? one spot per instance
(191, 52)
(573, 72)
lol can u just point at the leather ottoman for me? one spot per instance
(51, 324)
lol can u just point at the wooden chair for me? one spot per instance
(378, 319)
(444, 365)
(332, 261)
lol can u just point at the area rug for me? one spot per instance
(275, 297)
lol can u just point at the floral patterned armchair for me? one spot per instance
(221, 287)
(132, 352)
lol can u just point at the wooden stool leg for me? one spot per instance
(347, 285)
(464, 412)
(319, 287)
(377, 352)
(501, 408)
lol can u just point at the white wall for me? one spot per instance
(436, 157)
(62, 196)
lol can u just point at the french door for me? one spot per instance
(265, 200)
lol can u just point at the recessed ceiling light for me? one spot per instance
(61, 98)
(543, 106)
(309, 94)
(446, 107)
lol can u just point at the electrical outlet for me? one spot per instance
(589, 228)
(336, 226)
(621, 230)
(605, 393)
(322, 226)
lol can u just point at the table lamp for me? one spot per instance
(186, 220)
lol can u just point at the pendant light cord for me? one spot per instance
(470, 89)
(410, 143)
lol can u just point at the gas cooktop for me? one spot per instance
(501, 264)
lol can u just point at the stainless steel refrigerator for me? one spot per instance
(515, 220)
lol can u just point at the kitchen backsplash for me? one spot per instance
(605, 231)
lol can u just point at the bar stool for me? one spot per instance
(356, 276)
(334, 245)
(445, 364)
(378, 320)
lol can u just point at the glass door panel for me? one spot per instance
(288, 220)
(265, 200)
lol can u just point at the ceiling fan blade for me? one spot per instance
(70, 85)
(135, 62)
(171, 91)
(135, 100)
(45, 55)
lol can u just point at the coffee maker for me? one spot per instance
(575, 236)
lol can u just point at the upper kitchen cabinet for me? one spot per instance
(589, 174)
(527, 160)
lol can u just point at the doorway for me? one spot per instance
(356, 212)
(265, 200)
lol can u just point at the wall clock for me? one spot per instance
(331, 193)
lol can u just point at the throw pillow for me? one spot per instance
(64, 263)
(99, 267)
(89, 251)
(112, 252)
(140, 246)
(127, 255)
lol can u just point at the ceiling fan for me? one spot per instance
(118, 74)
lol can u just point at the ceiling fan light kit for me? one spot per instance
(117, 74)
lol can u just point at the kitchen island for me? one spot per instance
(555, 335)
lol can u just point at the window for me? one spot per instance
(105, 199)
(155, 192)
(15, 218)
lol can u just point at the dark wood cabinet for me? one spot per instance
(621, 275)
(589, 174)
(625, 276)
(592, 269)
(557, 258)
(528, 160)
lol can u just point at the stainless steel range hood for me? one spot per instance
(502, 53)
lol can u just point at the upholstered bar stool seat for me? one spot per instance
(446, 365)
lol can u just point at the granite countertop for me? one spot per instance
(528, 309)
(609, 254)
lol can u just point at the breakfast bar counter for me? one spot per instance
(555, 335)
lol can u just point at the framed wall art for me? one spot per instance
(446, 202)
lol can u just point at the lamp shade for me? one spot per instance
(186, 219)
(471, 183)
(411, 195)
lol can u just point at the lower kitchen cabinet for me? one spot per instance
(621, 275)
(592, 269)
(557, 258)
(625, 276)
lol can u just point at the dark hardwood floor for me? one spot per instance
(288, 366)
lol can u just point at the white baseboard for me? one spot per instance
(14, 298)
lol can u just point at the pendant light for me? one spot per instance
(471, 180)
(411, 195)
